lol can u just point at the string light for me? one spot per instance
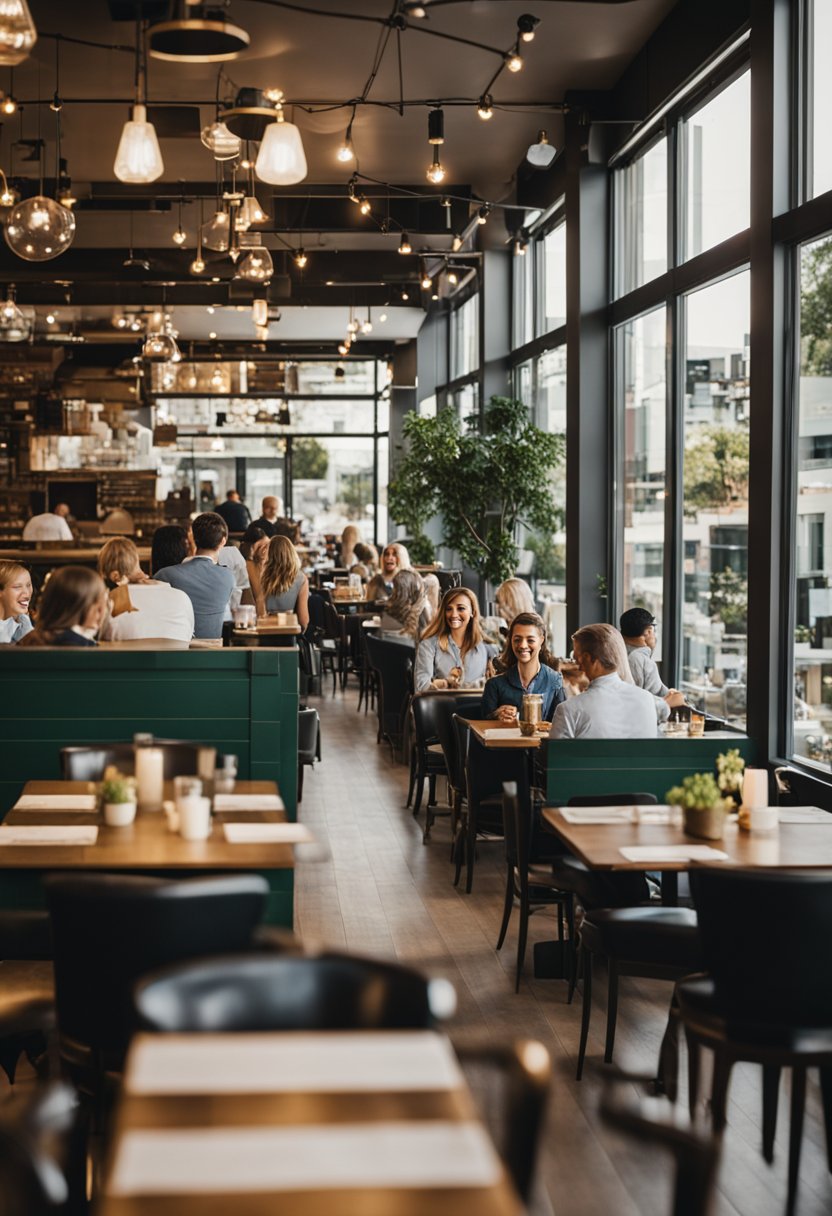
(514, 61)
(301, 259)
(435, 171)
(180, 236)
(427, 282)
(453, 278)
(367, 326)
(404, 244)
(456, 243)
(346, 152)
(526, 26)
(8, 105)
(483, 213)
(485, 107)
(364, 206)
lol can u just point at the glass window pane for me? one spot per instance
(641, 211)
(643, 350)
(522, 316)
(332, 483)
(465, 338)
(813, 548)
(717, 139)
(554, 280)
(820, 98)
(549, 549)
(715, 528)
(358, 379)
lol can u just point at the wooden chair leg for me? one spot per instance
(826, 1096)
(719, 1091)
(470, 850)
(573, 947)
(612, 1008)
(586, 1012)
(771, 1090)
(795, 1134)
(521, 941)
(508, 904)
(694, 1062)
(667, 1077)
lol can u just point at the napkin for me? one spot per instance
(55, 802)
(248, 802)
(267, 833)
(503, 732)
(41, 834)
(589, 814)
(227, 1160)
(673, 852)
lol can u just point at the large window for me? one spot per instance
(717, 165)
(716, 470)
(813, 551)
(465, 338)
(641, 350)
(552, 313)
(641, 210)
(819, 150)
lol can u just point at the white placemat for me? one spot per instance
(267, 833)
(246, 1159)
(591, 814)
(503, 732)
(41, 834)
(673, 852)
(248, 802)
(804, 814)
(338, 1062)
(55, 802)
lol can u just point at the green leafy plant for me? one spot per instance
(730, 767)
(716, 468)
(729, 599)
(816, 311)
(118, 789)
(802, 633)
(549, 558)
(698, 791)
(483, 480)
(310, 460)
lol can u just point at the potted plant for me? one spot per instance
(730, 768)
(118, 797)
(703, 806)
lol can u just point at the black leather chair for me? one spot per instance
(109, 929)
(427, 757)
(36, 1135)
(482, 812)
(766, 996)
(27, 987)
(181, 759)
(393, 664)
(335, 630)
(527, 884)
(309, 742)
(466, 706)
(326, 646)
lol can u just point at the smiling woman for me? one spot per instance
(15, 596)
(526, 669)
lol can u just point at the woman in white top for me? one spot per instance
(452, 652)
(140, 607)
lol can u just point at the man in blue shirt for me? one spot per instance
(235, 512)
(207, 584)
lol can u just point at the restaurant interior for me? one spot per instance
(382, 386)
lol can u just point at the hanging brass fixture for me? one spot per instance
(198, 34)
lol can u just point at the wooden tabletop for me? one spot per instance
(70, 554)
(291, 1108)
(146, 844)
(791, 845)
(482, 728)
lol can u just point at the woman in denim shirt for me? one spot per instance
(452, 652)
(525, 661)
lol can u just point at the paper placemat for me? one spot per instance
(267, 833)
(42, 834)
(248, 802)
(804, 814)
(228, 1160)
(338, 1062)
(589, 814)
(503, 732)
(55, 802)
(673, 852)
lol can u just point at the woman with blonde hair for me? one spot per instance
(452, 651)
(255, 549)
(285, 587)
(394, 558)
(71, 609)
(433, 594)
(405, 613)
(512, 597)
(350, 537)
(15, 597)
(140, 607)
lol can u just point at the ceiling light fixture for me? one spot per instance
(8, 105)
(520, 247)
(453, 278)
(483, 213)
(542, 153)
(301, 258)
(405, 245)
(215, 232)
(427, 282)
(435, 171)
(514, 60)
(203, 36)
(485, 107)
(260, 312)
(456, 243)
(8, 196)
(138, 159)
(367, 326)
(180, 236)
(436, 126)
(364, 206)
(17, 32)
(220, 142)
(197, 266)
(383, 317)
(281, 160)
(250, 213)
(13, 325)
(256, 267)
(526, 26)
(39, 229)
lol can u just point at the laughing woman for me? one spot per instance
(452, 652)
(15, 596)
(525, 668)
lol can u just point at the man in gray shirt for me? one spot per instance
(609, 709)
(207, 584)
(638, 628)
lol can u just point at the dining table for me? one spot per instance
(351, 1123)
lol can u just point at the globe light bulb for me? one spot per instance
(13, 325)
(197, 266)
(346, 152)
(435, 172)
(256, 267)
(404, 244)
(281, 160)
(542, 153)
(514, 61)
(364, 206)
(160, 348)
(39, 229)
(179, 237)
(8, 196)
(17, 32)
(427, 282)
(222, 143)
(138, 159)
(367, 326)
(301, 259)
(8, 105)
(216, 231)
(485, 108)
(250, 212)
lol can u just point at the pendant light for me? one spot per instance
(13, 325)
(215, 232)
(257, 266)
(250, 213)
(260, 312)
(39, 228)
(281, 160)
(198, 34)
(17, 32)
(138, 159)
(197, 266)
(542, 153)
(220, 142)
(180, 236)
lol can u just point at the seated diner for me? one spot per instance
(452, 652)
(15, 597)
(207, 584)
(285, 587)
(610, 708)
(393, 559)
(405, 614)
(140, 607)
(71, 609)
(526, 667)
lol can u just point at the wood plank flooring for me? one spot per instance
(383, 893)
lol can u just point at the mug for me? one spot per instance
(194, 818)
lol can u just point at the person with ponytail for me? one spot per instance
(71, 609)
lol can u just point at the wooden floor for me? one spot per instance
(382, 892)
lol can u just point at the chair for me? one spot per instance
(427, 757)
(309, 742)
(758, 926)
(35, 1144)
(181, 759)
(27, 987)
(532, 887)
(326, 646)
(482, 813)
(340, 992)
(336, 631)
(467, 707)
(393, 665)
(109, 929)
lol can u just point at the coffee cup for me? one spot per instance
(194, 818)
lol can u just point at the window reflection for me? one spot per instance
(717, 197)
(819, 158)
(715, 527)
(554, 280)
(641, 213)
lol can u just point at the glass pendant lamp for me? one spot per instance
(13, 325)
(281, 160)
(215, 232)
(220, 142)
(257, 266)
(138, 159)
(17, 32)
(39, 229)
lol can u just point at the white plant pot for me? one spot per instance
(119, 814)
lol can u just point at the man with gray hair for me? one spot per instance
(610, 708)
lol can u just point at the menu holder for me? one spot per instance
(55, 802)
(267, 833)
(43, 834)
